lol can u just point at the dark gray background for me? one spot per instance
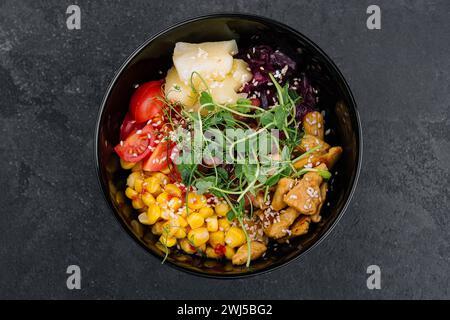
(52, 212)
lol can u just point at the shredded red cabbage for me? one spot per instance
(262, 60)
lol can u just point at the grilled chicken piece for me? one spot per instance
(254, 227)
(279, 228)
(323, 193)
(300, 226)
(256, 250)
(305, 197)
(332, 156)
(313, 124)
(314, 160)
(283, 186)
(309, 141)
(258, 200)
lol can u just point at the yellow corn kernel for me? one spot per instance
(206, 212)
(144, 219)
(186, 246)
(131, 193)
(162, 199)
(139, 184)
(165, 170)
(137, 203)
(229, 252)
(181, 221)
(126, 165)
(153, 185)
(158, 228)
(167, 241)
(165, 214)
(180, 233)
(163, 179)
(216, 238)
(211, 224)
(195, 220)
(235, 237)
(137, 167)
(170, 227)
(222, 209)
(148, 199)
(211, 253)
(173, 190)
(120, 198)
(224, 224)
(198, 236)
(183, 212)
(174, 204)
(132, 178)
(153, 213)
(196, 201)
(175, 227)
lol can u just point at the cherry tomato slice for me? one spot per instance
(129, 125)
(137, 145)
(159, 159)
(146, 101)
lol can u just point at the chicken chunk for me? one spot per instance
(305, 197)
(256, 250)
(309, 141)
(258, 200)
(283, 186)
(300, 226)
(323, 193)
(280, 228)
(332, 156)
(314, 159)
(254, 227)
(313, 124)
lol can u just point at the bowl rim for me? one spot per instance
(251, 17)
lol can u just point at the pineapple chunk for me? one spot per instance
(177, 91)
(212, 60)
(240, 73)
(226, 91)
(223, 91)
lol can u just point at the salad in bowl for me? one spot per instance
(226, 152)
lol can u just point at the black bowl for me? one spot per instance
(154, 57)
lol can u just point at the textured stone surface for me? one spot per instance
(53, 214)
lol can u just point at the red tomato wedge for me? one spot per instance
(137, 145)
(128, 126)
(159, 159)
(146, 101)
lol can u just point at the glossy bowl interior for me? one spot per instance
(152, 60)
